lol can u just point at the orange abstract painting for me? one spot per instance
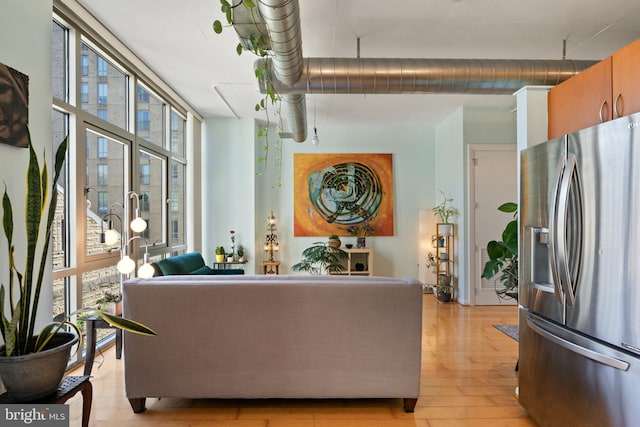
(335, 191)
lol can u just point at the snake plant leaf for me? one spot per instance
(11, 337)
(7, 217)
(121, 322)
(33, 216)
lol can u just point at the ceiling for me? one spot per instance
(176, 39)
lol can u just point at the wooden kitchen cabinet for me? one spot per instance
(604, 91)
(626, 84)
(581, 101)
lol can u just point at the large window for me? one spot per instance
(109, 88)
(123, 137)
(106, 160)
(153, 190)
(178, 126)
(59, 63)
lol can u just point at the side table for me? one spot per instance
(68, 388)
(270, 265)
(93, 323)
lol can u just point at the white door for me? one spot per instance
(493, 182)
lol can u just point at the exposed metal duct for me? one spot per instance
(282, 19)
(293, 76)
(395, 76)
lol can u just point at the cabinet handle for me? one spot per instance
(603, 109)
(618, 112)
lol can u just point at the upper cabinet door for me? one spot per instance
(626, 83)
(581, 101)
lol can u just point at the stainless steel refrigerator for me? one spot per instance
(579, 279)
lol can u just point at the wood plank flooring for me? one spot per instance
(468, 379)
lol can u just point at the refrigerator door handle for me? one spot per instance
(585, 352)
(553, 232)
(561, 227)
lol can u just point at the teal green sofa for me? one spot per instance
(188, 264)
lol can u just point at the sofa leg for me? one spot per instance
(138, 404)
(409, 404)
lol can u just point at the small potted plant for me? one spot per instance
(241, 255)
(111, 303)
(445, 211)
(220, 254)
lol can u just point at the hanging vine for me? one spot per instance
(258, 46)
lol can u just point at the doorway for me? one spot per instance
(493, 181)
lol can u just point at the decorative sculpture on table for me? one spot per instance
(271, 240)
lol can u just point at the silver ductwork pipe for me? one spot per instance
(397, 76)
(282, 19)
(293, 76)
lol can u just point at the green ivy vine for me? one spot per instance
(258, 46)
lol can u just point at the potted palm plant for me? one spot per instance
(322, 258)
(503, 256)
(32, 363)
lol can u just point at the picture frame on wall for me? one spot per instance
(14, 107)
(335, 193)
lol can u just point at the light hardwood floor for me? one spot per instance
(468, 379)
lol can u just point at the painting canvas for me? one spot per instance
(14, 106)
(335, 191)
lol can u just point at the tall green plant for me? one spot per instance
(321, 258)
(503, 255)
(18, 321)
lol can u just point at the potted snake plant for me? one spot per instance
(32, 363)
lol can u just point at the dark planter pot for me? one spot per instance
(36, 375)
(444, 297)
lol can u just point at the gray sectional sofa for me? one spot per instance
(288, 336)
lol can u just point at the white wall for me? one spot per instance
(228, 195)
(413, 163)
(413, 172)
(453, 135)
(25, 31)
